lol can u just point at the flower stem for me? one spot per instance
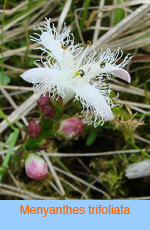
(2, 35)
(14, 137)
(136, 147)
(87, 3)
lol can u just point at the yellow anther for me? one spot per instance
(89, 43)
(102, 64)
(65, 46)
(81, 72)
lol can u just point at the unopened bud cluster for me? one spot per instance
(43, 131)
(45, 106)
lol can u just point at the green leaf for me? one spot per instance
(136, 147)
(58, 160)
(3, 169)
(119, 14)
(91, 137)
(5, 118)
(4, 79)
(84, 15)
(142, 114)
(117, 109)
(14, 137)
(31, 62)
(32, 143)
(49, 133)
(9, 140)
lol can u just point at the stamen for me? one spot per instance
(65, 46)
(89, 43)
(102, 64)
(81, 72)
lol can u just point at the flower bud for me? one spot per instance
(70, 128)
(35, 167)
(48, 110)
(44, 100)
(34, 128)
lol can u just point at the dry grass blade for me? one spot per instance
(139, 110)
(18, 52)
(94, 154)
(141, 139)
(12, 103)
(16, 9)
(128, 46)
(75, 188)
(141, 105)
(97, 179)
(11, 24)
(63, 14)
(54, 174)
(6, 192)
(83, 182)
(17, 88)
(125, 24)
(30, 194)
(55, 188)
(78, 26)
(98, 22)
(23, 109)
(135, 91)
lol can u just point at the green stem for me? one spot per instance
(57, 159)
(136, 147)
(84, 15)
(8, 154)
(2, 33)
(5, 118)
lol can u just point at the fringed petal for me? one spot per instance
(38, 75)
(53, 45)
(123, 74)
(97, 105)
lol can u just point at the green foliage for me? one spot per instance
(3, 169)
(13, 139)
(91, 137)
(119, 13)
(25, 11)
(1, 38)
(84, 14)
(32, 143)
(4, 79)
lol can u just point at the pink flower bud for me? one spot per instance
(48, 110)
(34, 128)
(44, 100)
(35, 167)
(70, 128)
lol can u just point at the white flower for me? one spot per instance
(68, 73)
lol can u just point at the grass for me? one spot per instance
(2, 35)
(92, 167)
